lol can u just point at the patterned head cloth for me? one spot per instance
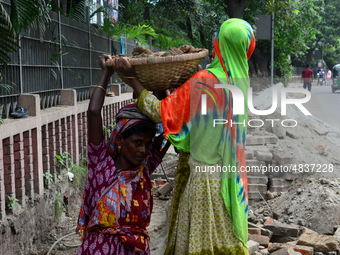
(127, 117)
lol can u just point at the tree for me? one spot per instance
(24, 13)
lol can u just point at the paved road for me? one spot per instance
(323, 104)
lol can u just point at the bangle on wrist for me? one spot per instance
(101, 88)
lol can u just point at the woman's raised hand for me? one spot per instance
(107, 70)
(123, 66)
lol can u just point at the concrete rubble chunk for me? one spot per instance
(292, 135)
(281, 229)
(266, 232)
(254, 231)
(264, 156)
(252, 247)
(286, 251)
(337, 233)
(257, 148)
(319, 130)
(271, 139)
(257, 187)
(320, 243)
(262, 240)
(282, 157)
(255, 140)
(304, 250)
(165, 189)
(249, 154)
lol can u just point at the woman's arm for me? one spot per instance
(157, 145)
(94, 121)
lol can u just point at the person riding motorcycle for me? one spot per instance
(321, 77)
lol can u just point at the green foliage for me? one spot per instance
(25, 13)
(64, 161)
(48, 178)
(8, 39)
(108, 130)
(12, 203)
(136, 33)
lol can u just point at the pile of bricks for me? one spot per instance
(274, 237)
(265, 161)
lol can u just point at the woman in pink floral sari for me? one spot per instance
(117, 202)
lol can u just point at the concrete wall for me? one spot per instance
(28, 146)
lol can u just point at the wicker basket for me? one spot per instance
(161, 73)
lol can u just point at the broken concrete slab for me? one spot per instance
(286, 251)
(252, 247)
(254, 140)
(264, 156)
(281, 229)
(304, 250)
(254, 231)
(282, 157)
(165, 189)
(320, 243)
(262, 240)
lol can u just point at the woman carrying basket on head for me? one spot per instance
(210, 202)
(117, 202)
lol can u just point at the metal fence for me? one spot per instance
(66, 57)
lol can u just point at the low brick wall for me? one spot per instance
(28, 146)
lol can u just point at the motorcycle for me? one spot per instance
(321, 79)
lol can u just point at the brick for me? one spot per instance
(10, 189)
(279, 189)
(8, 160)
(281, 229)
(19, 183)
(20, 192)
(8, 149)
(264, 156)
(27, 150)
(262, 240)
(249, 154)
(46, 166)
(18, 146)
(320, 243)
(9, 178)
(46, 158)
(44, 143)
(18, 155)
(257, 187)
(27, 134)
(19, 173)
(19, 164)
(254, 231)
(8, 141)
(28, 158)
(251, 140)
(257, 180)
(282, 157)
(271, 139)
(165, 189)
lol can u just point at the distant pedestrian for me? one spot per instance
(329, 76)
(307, 78)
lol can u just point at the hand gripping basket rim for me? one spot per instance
(161, 73)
